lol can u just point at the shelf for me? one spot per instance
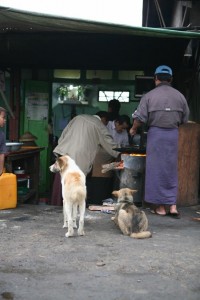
(73, 102)
(27, 196)
(29, 159)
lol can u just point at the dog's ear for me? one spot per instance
(61, 162)
(115, 193)
(133, 191)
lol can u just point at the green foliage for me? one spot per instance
(62, 91)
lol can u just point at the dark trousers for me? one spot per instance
(56, 195)
(99, 189)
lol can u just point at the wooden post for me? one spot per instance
(188, 164)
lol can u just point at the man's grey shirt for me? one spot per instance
(163, 107)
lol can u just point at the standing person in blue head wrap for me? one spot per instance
(163, 109)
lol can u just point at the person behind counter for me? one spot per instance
(118, 129)
(163, 109)
(2, 139)
(113, 109)
(100, 185)
(81, 139)
(104, 116)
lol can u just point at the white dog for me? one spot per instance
(73, 192)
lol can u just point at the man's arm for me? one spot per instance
(106, 141)
(2, 157)
(136, 124)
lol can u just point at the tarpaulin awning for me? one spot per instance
(31, 39)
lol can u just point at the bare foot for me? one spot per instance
(160, 210)
(173, 209)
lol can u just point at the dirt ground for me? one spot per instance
(38, 262)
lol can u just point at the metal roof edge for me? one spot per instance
(170, 32)
(97, 25)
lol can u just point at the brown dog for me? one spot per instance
(130, 219)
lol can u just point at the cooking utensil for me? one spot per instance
(13, 146)
(131, 149)
(19, 172)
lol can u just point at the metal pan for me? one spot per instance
(131, 149)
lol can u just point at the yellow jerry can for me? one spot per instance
(8, 190)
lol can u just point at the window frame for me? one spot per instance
(114, 95)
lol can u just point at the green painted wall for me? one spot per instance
(35, 93)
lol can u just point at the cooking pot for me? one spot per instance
(135, 162)
(13, 146)
(19, 170)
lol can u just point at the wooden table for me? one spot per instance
(28, 158)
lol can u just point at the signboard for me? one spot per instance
(37, 106)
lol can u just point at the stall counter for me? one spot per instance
(28, 158)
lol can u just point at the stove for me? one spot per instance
(133, 174)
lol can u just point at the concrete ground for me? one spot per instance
(38, 262)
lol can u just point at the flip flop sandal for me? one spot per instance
(154, 211)
(174, 215)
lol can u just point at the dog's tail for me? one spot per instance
(141, 235)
